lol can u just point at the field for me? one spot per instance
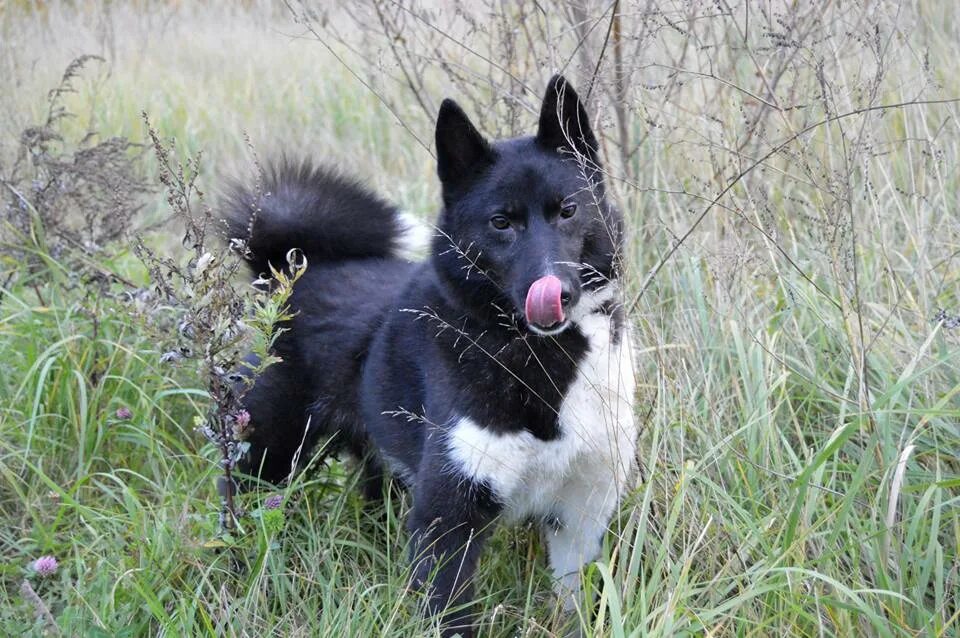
(790, 173)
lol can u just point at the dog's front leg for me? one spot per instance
(450, 521)
(575, 536)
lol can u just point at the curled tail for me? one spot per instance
(326, 216)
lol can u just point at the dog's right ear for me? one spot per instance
(462, 152)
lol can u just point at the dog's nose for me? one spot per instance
(565, 297)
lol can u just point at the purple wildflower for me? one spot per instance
(124, 413)
(273, 502)
(242, 418)
(45, 566)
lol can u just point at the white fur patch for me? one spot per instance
(580, 475)
(414, 238)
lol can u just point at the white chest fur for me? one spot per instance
(596, 442)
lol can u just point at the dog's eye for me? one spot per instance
(500, 222)
(568, 210)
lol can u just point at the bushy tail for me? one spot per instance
(327, 216)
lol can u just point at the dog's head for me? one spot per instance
(525, 222)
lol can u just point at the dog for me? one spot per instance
(493, 380)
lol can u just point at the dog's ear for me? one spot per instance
(564, 122)
(461, 151)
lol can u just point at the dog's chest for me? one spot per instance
(596, 425)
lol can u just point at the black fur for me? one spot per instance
(384, 354)
(326, 215)
(348, 236)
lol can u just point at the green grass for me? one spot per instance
(800, 408)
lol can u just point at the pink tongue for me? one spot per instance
(543, 305)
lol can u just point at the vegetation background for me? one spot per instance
(790, 174)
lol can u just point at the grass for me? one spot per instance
(800, 404)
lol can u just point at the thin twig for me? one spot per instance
(776, 149)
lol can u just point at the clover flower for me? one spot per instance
(45, 566)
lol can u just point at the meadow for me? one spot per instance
(790, 176)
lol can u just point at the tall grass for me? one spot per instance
(794, 239)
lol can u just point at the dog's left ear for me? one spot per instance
(564, 122)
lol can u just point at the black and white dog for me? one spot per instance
(494, 380)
